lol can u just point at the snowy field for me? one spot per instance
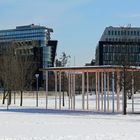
(32, 123)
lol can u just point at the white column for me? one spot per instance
(132, 92)
(122, 95)
(87, 91)
(108, 91)
(118, 92)
(74, 91)
(113, 92)
(59, 90)
(99, 91)
(102, 85)
(104, 92)
(96, 77)
(46, 89)
(55, 90)
(83, 91)
(69, 89)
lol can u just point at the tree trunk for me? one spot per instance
(63, 99)
(14, 97)
(124, 88)
(3, 100)
(9, 97)
(63, 90)
(21, 98)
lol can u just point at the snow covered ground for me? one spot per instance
(32, 123)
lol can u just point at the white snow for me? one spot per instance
(32, 123)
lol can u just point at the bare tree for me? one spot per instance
(17, 71)
(25, 69)
(126, 61)
(62, 62)
(8, 72)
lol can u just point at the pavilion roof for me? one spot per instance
(104, 68)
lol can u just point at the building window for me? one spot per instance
(112, 32)
(108, 32)
(124, 32)
(127, 32)
(118, 32)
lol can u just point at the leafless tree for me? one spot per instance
(126, 61)
(17, 71)
(7, 72)
(25, 68)
(62, 62)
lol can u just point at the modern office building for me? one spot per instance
(119, 46)
(32, 40)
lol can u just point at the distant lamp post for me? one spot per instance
(36, 75)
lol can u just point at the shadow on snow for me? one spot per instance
(55, 111)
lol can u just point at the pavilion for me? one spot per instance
(107, 86)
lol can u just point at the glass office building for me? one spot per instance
(119, 46)
(31, 36)
(30, 33)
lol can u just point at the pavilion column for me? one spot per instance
(113, 92)
(104, 92)
(83, 90)
(87, 91)
(102, 85)
(96, 77)
(69, 89)
(55, 90)
(98, 91)
(122, 86)
(46, 89)
(118, 92)
(93, 86)
(60, 90)
(73, 91)
(132, 92)
(108, 92)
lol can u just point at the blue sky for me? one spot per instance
(77, 24)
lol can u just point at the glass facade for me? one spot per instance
(33, 40)
(29, 33)
(115, 53)
(119, 45)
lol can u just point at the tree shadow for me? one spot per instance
(55, 111)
